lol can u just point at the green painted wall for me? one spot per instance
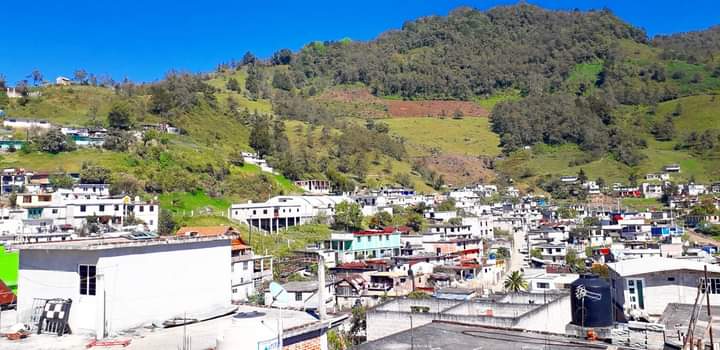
(9, 263)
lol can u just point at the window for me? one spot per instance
(82, 208)
(358, 239)
(543, 285)
(27, 199)
(87, 279)
(298, 296)
(151, 208)
(54, 211)
(245, 265)
(714, 284)
(264, 211)
(671, 279)
(117, 207)
(142, 208)
(101, 208)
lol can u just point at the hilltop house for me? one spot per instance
(284, 211)
(65, 208)
(121, 283)
(314, 186)
(63, 81)
(16, 123)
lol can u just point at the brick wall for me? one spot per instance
(310, 344)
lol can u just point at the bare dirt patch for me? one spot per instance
(434, 109)
(362, 102)
(460, 170)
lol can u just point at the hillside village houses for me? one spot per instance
(461, 256)
(281, 212)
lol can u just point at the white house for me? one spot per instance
(16, 123)
(649, 284)
(650, 190)
(121, 283)
(540, 281)
(284, 211)
(304, 295)
(314, 186)
(69, 209)
(62, 81)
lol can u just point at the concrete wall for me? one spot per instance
(659, 290)
(136, 285)
(394, 316)
(551, 317)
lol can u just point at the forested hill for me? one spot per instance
(512, 93)
(470, 53)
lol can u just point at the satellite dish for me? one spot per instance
(278, 293)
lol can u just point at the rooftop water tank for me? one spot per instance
(590, 302)
(250, 330)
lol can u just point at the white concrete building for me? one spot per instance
(314, 186)
(67, 208)
(304, 295)
(120, 283)
(540, 281)
(648, 284)
(17, 123)
(651, 190)
(62, 81)
(284, 211)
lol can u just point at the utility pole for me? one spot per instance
(707, 296)
(321, 287)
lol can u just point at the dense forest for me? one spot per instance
(470, 53)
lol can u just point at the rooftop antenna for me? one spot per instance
(279, 293)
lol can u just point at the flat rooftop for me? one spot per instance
(440, 335)
(203, 334)
(114, 242)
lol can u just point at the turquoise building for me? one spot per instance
(367, 244)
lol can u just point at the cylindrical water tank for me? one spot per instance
(590, 302)
(250, 330)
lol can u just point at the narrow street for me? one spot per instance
(516, 259)
(700, 238)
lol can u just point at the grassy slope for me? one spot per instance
(698, 114)
(297, 135)
(468, 136)
(211, 137)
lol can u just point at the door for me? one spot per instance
(636, 293)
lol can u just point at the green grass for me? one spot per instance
(66, 161)
(220, 82)
(490, 102)
(66, 105)
(685, 84)
(9, 264)
(468, 136)
(585, 74)
(208, 220)
(185, 202)
(283, 243)
(699, 113)
(286, 184)
(641, 204)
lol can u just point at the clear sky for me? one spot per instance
(142, 40)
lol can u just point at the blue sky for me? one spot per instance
(144, 39)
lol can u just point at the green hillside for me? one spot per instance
(471, 96)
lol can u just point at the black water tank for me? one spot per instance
(590, 302)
